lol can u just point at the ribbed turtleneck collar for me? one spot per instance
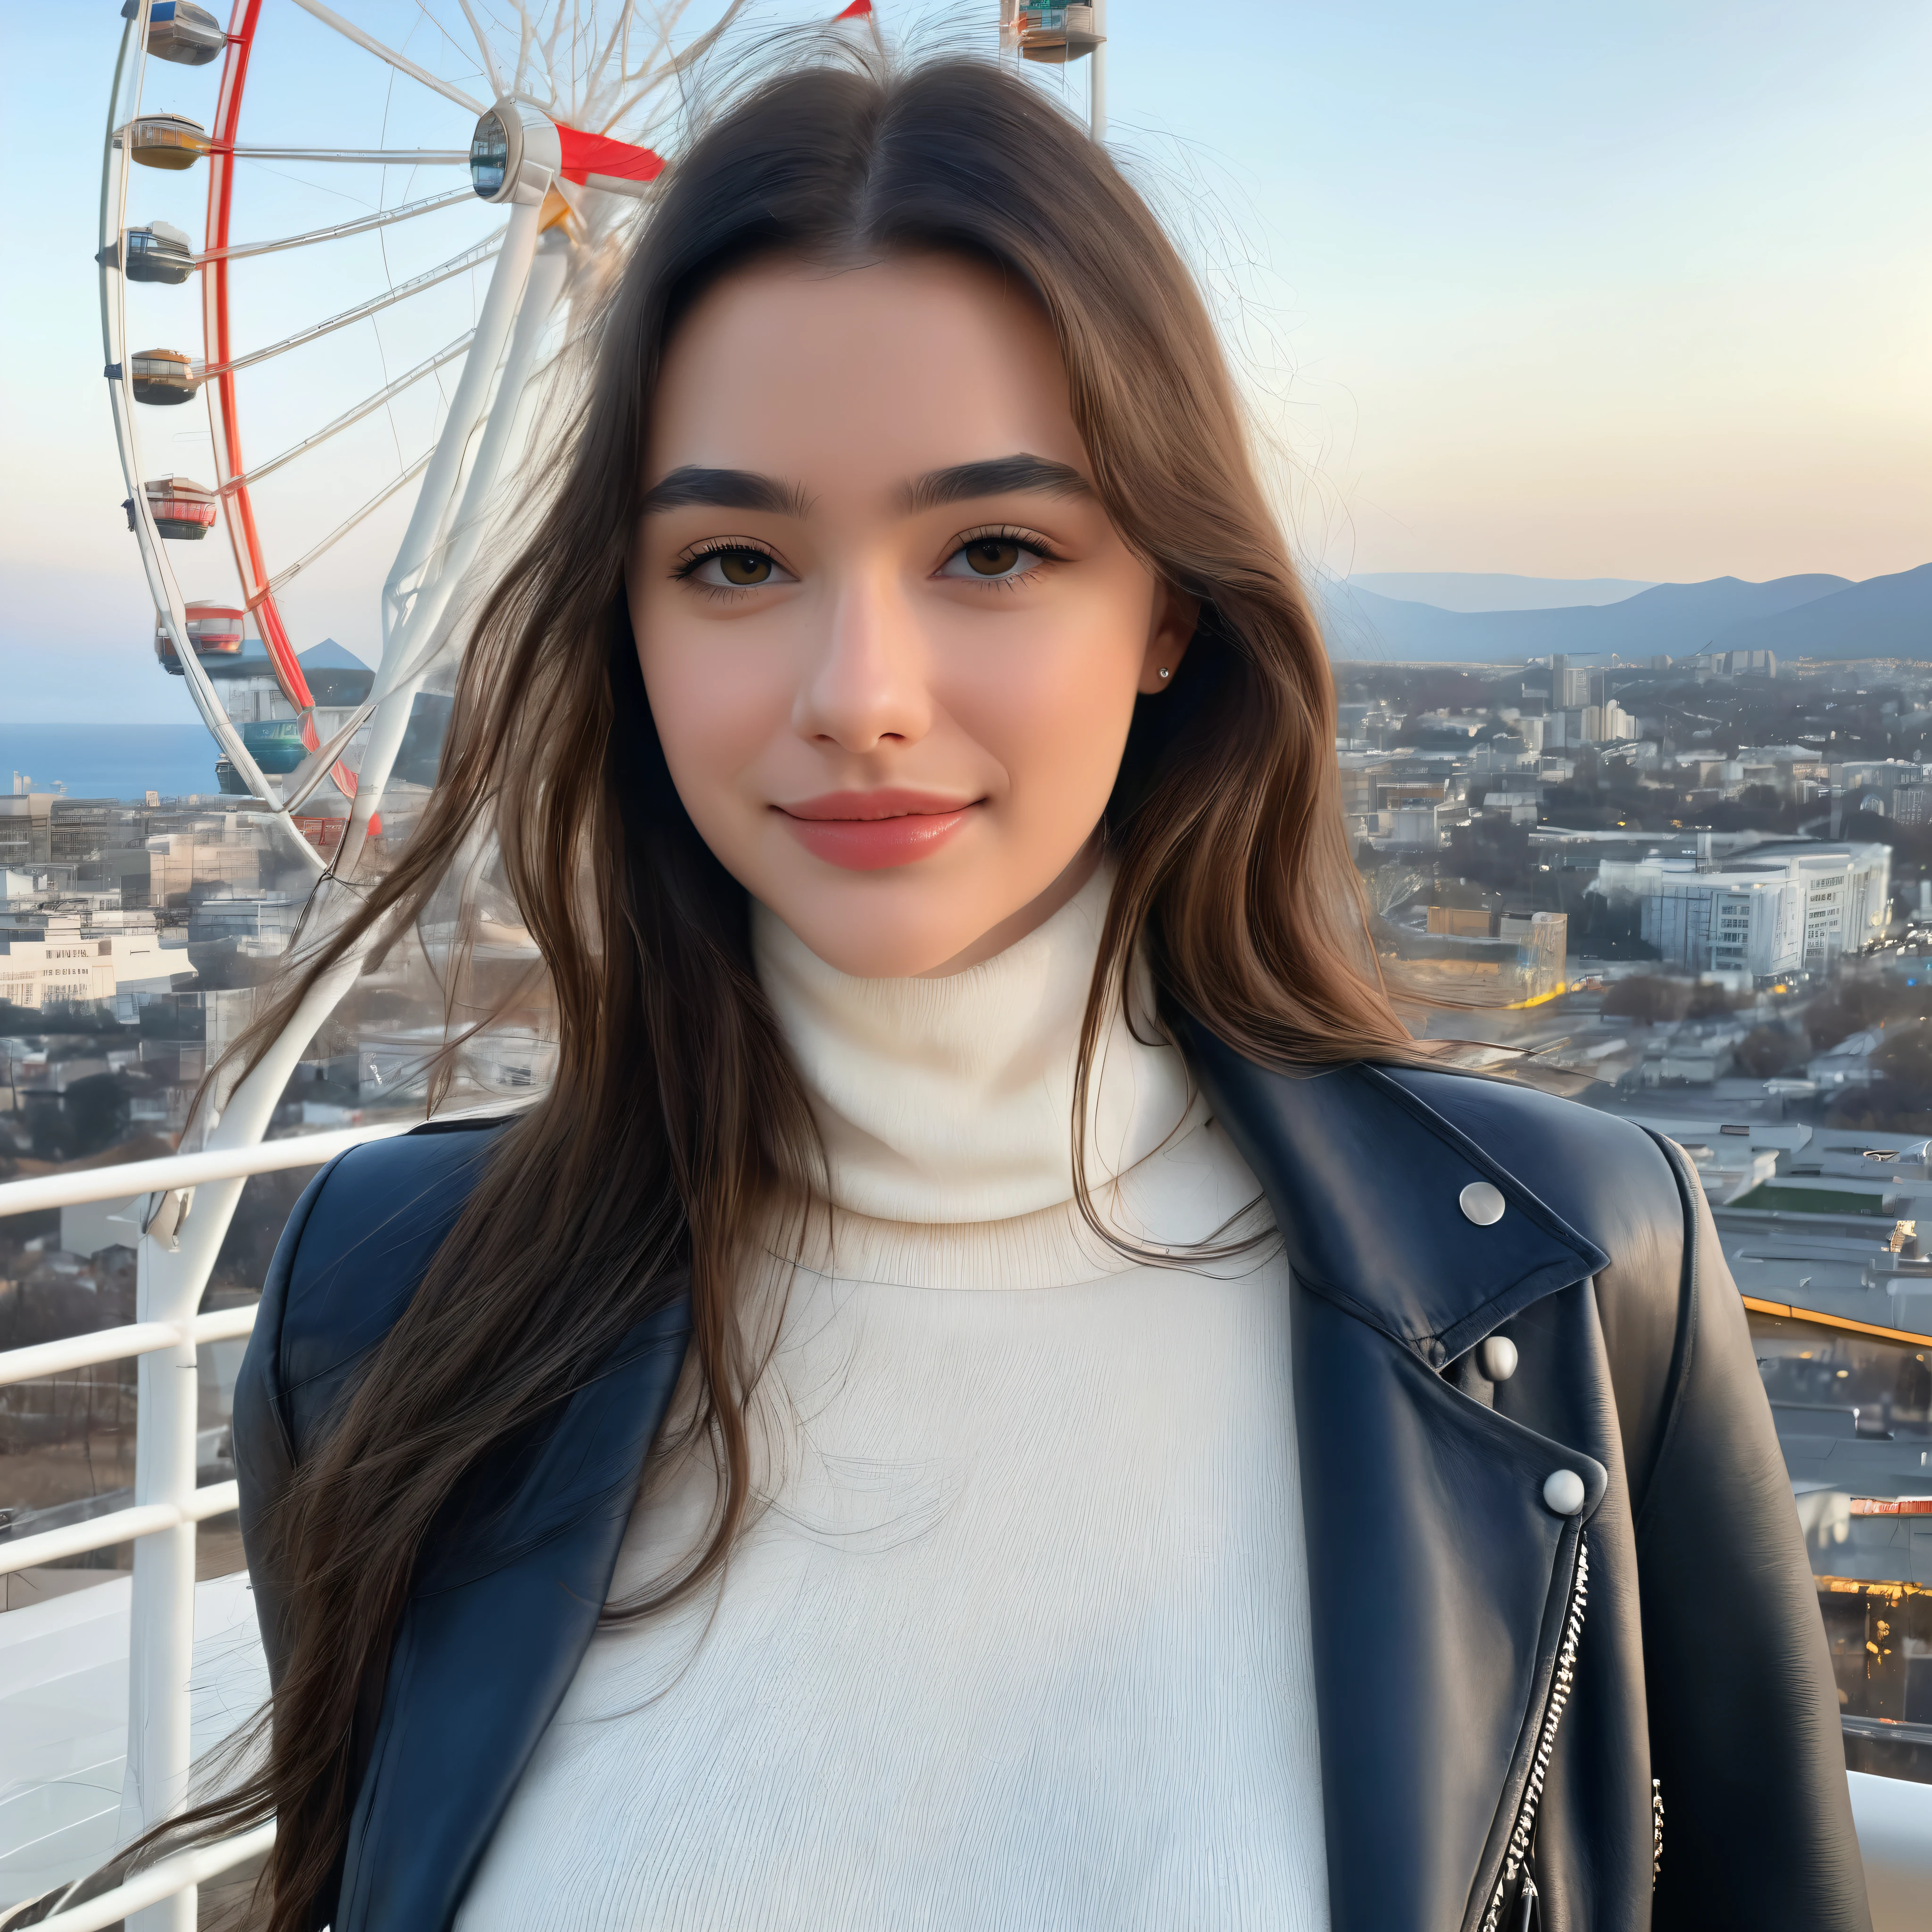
(952, 1100)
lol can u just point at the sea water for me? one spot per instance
(123, 761)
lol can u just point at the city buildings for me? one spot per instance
(1780, 909)
(1602, 724)
(49, 959)
(1732, 663)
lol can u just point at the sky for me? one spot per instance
(1638, 292)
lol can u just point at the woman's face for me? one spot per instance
(891, 640)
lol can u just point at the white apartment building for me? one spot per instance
(1779, 910)
(54, 958)
(1605, 723)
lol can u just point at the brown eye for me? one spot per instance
(992, 556)
(744, 566)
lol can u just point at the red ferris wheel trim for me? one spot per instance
(231, 478)
(584, 154)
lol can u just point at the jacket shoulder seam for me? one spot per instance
(279, 1393)
(1686, 1342)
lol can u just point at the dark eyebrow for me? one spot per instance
(727, 490)
(995, 477)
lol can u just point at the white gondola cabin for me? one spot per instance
(214, 630)
(180, 31)
(158, 252)
(181, 508)
(1056, 35)
(162, 376)
(166, 141)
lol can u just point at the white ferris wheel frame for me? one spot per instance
(183, 1228)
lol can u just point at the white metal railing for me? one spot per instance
(179, 1875)
(115, 1345)
(169, 1502)
(175, 1171)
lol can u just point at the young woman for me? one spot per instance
(998, 1389)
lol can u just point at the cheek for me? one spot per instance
(1055, 705)
(715, 706)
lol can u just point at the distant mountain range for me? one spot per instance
(1497, 590)
(1814, 616)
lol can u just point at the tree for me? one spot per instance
(1903, 1061)
(1649, 998)
(1766, 1052)
(1602, 927)
(1711, 1003)
(1494, 853)
(90, 1118)
(1852, 1005)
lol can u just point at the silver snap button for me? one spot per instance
(1481, 1204)
(1498, 1357)
(1563, 1493)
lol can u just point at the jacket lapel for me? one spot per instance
(1439, 1580)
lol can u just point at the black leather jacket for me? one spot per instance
(1626, 1707)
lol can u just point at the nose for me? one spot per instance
(864, 684)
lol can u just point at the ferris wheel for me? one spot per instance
(362, 374)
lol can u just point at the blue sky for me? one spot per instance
(1636, 292)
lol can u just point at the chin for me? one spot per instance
(888, 927)
(877, 948)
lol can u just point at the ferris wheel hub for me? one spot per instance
(518, 153)
(515, 154)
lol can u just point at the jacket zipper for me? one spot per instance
(1515, 1854)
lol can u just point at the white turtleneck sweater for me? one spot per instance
(1018, 1640)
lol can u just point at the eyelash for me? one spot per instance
(686, 568)
(686, 571)
(1013, 533)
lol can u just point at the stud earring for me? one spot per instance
(1164, 672)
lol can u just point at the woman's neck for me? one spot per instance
(951, 1098)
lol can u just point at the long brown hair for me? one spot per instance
(676, 1116)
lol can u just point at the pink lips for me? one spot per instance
(867, 831)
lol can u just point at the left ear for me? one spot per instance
(1175, 616)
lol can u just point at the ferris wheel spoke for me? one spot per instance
(242, 251)
(704, 43)
(470, 258)
(282, 578)
(620, 36)
(698, 49)
(329, 17)
(483, 48)
(317, 767)
(550, 40)
(357, 413)
(400, 157)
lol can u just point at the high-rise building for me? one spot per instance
(1568, 686)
